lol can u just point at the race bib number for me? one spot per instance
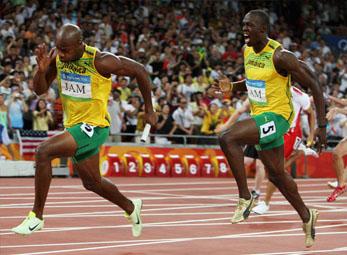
(75, 85)
(267, 129)
(87, 129)
(256, 91)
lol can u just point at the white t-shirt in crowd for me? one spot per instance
(183, 117)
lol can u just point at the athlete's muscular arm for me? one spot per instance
(46, 71)
(107, 64)
(286, 63)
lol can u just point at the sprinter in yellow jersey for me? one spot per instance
(84, 79)
(269, 70)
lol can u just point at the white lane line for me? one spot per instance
(82, 243)
(185, 224)
(176, 240)
(50, 198)
(312, 202)
(231, 187)
(178, 207)
(78, 204)
(50, 193)
(101, 200)
(93, 206)
(115, 213)
(50, 201)
(276, 199)
(181, 223)
(159, 197)
(145, 240)
(79, 214)
(200, 181)
(216, 182)
(132, 191)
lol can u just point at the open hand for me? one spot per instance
(43, 59)
(222, 85)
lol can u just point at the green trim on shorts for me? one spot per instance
(271, 128)
(87, 146)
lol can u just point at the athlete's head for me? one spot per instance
(69, 43)
(255, 27)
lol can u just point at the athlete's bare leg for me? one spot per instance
(88, 170)
(241, 133)
(273, 160)
(271, 188)
(62, 145)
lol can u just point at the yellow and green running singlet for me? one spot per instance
(84, 92)
(268, 91)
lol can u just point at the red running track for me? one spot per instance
(181, 216)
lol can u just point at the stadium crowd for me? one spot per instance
(184, 45)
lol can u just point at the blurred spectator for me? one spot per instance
(6, 70)
(199, 85)
(211, 120)
(123, 88)
(16, 108)
(5, 87)
(4, 124)
(131, 111)
(183, 118)
(116, 112)
(165, 125)
(4, 117)
(42, 117)
(186, 89)
(197, 107)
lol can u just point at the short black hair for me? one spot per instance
(264, 17)
(116, 90)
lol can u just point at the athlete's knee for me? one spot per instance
(42, 152)
(276, 178)
(227, 138)
(91, 185)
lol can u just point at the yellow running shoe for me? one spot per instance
(29, 225)
(310, 232)
(135, 217)
(243, 209)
